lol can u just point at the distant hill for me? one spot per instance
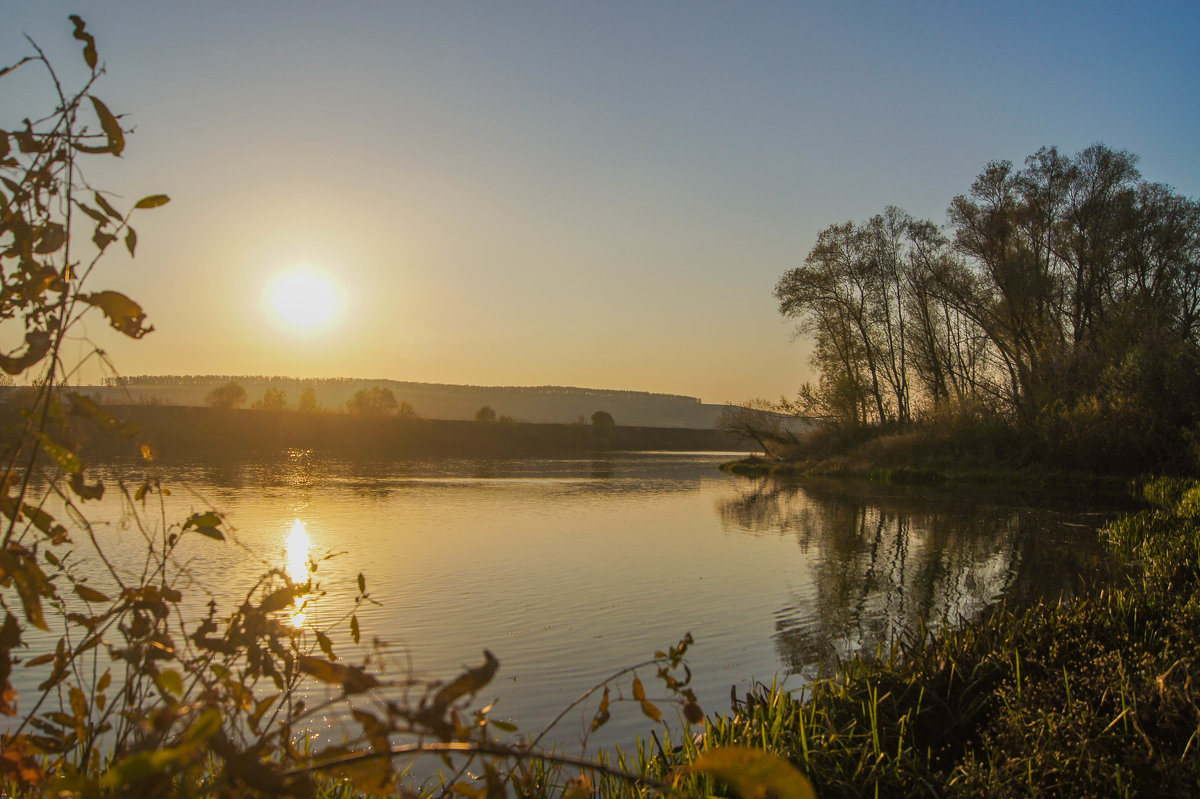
(553, 404)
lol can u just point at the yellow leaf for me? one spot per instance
(639, 693)
(123, 313)
(754, 773)
(153, 201)
(112, 128)
(107, 206)
(90, 594)
(650, 711)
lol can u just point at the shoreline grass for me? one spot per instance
(1096, 697)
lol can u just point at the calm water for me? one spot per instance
(571, 569)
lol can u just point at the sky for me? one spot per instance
(597, 194)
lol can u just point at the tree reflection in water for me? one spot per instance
(884, 560)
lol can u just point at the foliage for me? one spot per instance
(759, 421)
(273, 399)
(485, 414)
(377, 401)
(1064, 297)
(227, 396)
(603, 420)
(308, 400)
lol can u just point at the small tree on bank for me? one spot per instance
(308, 400)
(378, 401)
(228, 396)
(273, 399)
(485, 414)
(603, 420)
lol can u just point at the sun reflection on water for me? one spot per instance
(297, 552)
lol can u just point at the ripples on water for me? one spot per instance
(571, 569)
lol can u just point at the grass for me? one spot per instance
(1098, 697)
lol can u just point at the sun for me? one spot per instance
(304, 299)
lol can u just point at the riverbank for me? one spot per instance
(178, 433)
(1092, 698)
(1024, 481)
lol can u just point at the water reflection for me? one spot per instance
(297, 552)
(881, 563)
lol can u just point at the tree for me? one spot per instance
(485, 414)
(227, 396)
(374, 401)
(602, 420)
(759, 421)
(308, 400)
(273, 399)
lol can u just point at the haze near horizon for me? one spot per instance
(592, 195)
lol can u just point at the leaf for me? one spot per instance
(79, 703)
(280, 599)
(469, 682)
(68, 460)
(53, 237)
(123, 313)
(99, 218)
(639, 693)
(89, 41)
(371, 776)
(326, 645)
(131, 240)
(83, 489)
(754, 773)
(45, 522)
(601, 717)
(112, 128)
(89, 594)
(211, 532)
(136, 767)
(170, 681)
(16, 563)
(354, 632)
(85, 406)
(207, 519)
(693, 713)
(650, 711)
(102, 240)
(108, 209)
(105, 680)
(37, 345)
(153, 201)
(205, 726)
(352, 680)
(362, 583)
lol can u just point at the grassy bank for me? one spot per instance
(1095, 698)
(1023, 480)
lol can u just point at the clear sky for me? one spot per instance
(580, 193)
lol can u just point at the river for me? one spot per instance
(571, 569)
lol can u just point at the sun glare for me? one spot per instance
(304, 300)
(297, 548)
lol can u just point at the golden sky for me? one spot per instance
(588, 194)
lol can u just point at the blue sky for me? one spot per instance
(584, 193)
